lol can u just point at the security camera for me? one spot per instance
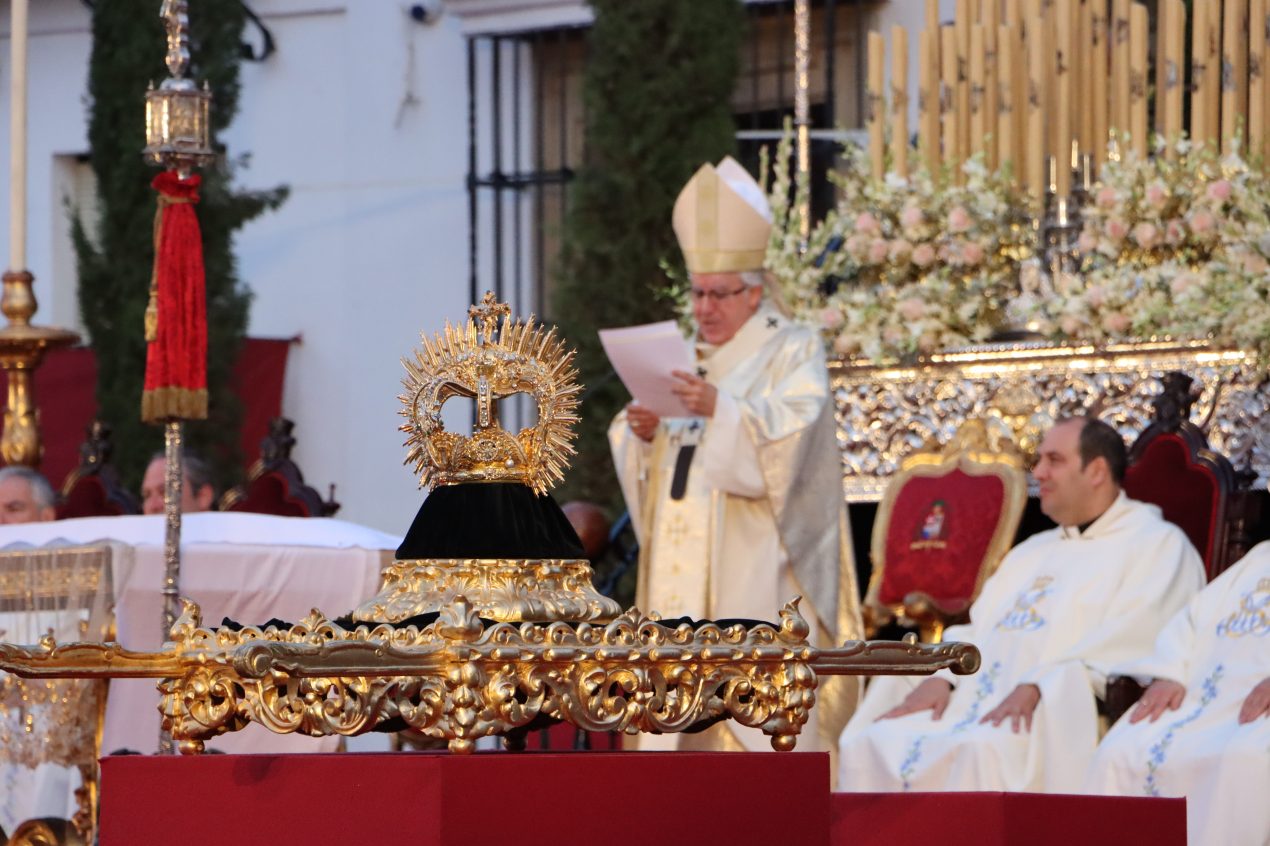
(427, 11)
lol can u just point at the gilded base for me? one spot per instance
(502, 589)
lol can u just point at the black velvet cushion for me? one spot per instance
(489, 520)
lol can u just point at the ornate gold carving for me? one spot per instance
(887, 413)
(506, 590)
(459, 679)
(469, 362)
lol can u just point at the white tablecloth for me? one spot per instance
(249, 567)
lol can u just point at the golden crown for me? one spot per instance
(488, 362)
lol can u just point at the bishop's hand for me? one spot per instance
(697, 395)
(1018, 708)
(1257, 704)
(643, 422)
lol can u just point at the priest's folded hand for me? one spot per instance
(1163, 695)
(642, 421)
(1257, 704)
(1018, 708)
(931, 695)
(697, 395)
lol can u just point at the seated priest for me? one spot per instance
(197, 491)
(25, 496)
(1202, 729)
(1063, 608)
(738, 505)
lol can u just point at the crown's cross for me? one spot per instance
(487, 315)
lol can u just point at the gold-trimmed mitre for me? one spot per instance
(722, 220)
(486, 362)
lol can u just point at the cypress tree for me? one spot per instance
(657, 89)
(115, 261)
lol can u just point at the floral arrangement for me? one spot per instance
(1170, 247)
(901, 266)
(1174, 247)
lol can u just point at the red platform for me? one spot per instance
(423, 798)
(988, 819)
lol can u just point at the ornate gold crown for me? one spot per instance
(471, 362)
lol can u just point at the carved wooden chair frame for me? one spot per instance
(977, 450)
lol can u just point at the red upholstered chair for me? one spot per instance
(947, 518)
(1172, 466)
(92, 489)
(275, 484)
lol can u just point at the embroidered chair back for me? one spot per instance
(275, 484)
(65, 592)
(1172, 466)
(944, 523)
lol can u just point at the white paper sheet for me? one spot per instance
(644, 357)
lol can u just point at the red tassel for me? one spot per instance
(176, 355)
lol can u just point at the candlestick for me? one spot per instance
(1100, 98)
(978, 118)
(1006, 98)
(1199, 50)
(949, 132)
(927, 101)
(1169, 100)
(961, 25)
(1063, 96)
(991, 69)
(1233, 66)
(1256, 76)
(1120, 67)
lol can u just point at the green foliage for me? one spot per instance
(658, 83)
(115, 261)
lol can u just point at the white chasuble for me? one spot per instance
(1063, 608)
(739, 513)
(1218, 647)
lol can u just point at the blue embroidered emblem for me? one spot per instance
(1024, 616)
(1253, 616)
(1159, 751)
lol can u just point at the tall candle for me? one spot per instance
(1100, 99)
(978, 117)
(1256, 76)
(1138, 78)
(928, 98)
(1007, 37)
(877, 69)
(962, 102)
(1034, 145)
(1199, 52)
(17, 135)
(1063, 97)
(1120, 66)
(991, 65)
(1082, 77)
(1161, 48)
(899, 99)
(1234, 25)
(1171, 97)
(947, 109)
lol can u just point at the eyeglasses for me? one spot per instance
(699, 294)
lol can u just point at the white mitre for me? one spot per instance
(722, 220)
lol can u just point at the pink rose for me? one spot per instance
(1174, 232)
(958, 220)
(1219, 191)
(1087, 242)
(1156, 195)
(857, 246)
(900, 250)
(972, 254)
(1117, 323)
(1254, 264)
(1107, 197)
(911, 308)
(867, 224)
(1182, 283)
(830, 318)
(846, 345)
(1116, 229)
(892, 336)
(1096, 296)
(1070, 324)
(1202, 222)
(912, 217)
(923, 255)
(1147, 235)
(878, 251)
